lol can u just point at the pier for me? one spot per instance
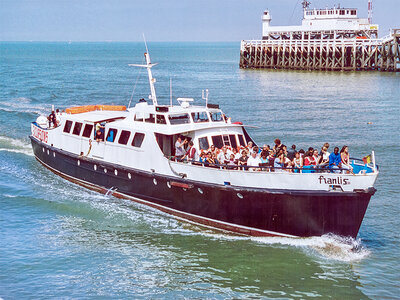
(357, 54)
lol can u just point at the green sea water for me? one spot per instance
(59, 240)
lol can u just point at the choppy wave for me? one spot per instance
(24, 105)
(15, 145)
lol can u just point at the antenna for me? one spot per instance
(370, 11)
(152, 80)
(170, 91)
(204, 95)
(145, 43)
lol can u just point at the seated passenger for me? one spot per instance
(52, 119)
(210, 159)
(243, 159)
(203, 157)
(309, 160)
(231, 162)
(99, 132)
(264, 158)
(249, 147)
(324, 157)
(316, 157)
(253, 161)
(223, 156)
(271, 158)
(279, 161)
(297, 162)
(345, 158)
(335, 160)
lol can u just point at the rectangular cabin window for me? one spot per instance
(203, 143)
(112, 133)
(216, 116)
(232, 139)
(87, 131)
(124, 137)
(150, 119)
(342, 12)
(138, 139)
(67, 126)
(241, 140)
(199, 117)
(179, 119)
(77, 128)
(353, 12)
(217, 141)
(161, 119)
(226, 140)
(138, 118)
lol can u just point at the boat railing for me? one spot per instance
(358, 167)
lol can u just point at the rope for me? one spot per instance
(134, 87)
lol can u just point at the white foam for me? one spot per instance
(27, 152)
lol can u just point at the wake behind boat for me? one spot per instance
(131, 153)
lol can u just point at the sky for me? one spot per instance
(163, 20)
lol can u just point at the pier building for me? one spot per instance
(328, 39)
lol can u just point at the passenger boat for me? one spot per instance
(135, 160)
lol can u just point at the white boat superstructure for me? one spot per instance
(327, 23)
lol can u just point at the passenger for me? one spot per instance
(278, 145)
(345, 158)
(249, 147)
(52, 119)
(191, 153)
(110, 137)
(210, 159)
(302, 153)
(316, 156)
(291, 152)
(223, 156)
(279, 161)
(99, 132)
(203, 157)
(232, 162)
(335, 160)
(243, 159)
(326, 145)
(257, 151)
(58, 117)
(236, 153)
(309, 160)
(253, 161)
(214, 155)
(179, 148)
(213, 149)
(297, 162)
(324, 157)
(264, 158)
(271, 158)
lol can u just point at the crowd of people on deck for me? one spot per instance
(279, 157)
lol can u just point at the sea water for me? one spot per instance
(59, 240)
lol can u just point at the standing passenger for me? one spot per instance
(179, 148)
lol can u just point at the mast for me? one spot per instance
(152, 80)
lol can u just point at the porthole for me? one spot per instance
(155, 181)
(129, 176)
(168, 184)
(48, 152)
(200, 190)
(95, 167)
(54, 154)
(115, 172)
(43, 149)
(105, 170)
(239, 195)
(79, 162)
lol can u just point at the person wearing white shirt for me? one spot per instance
(253, 161)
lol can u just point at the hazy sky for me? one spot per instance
(162, 20)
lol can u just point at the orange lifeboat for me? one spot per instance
(88, 108)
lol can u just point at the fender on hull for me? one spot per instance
(256, 212)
